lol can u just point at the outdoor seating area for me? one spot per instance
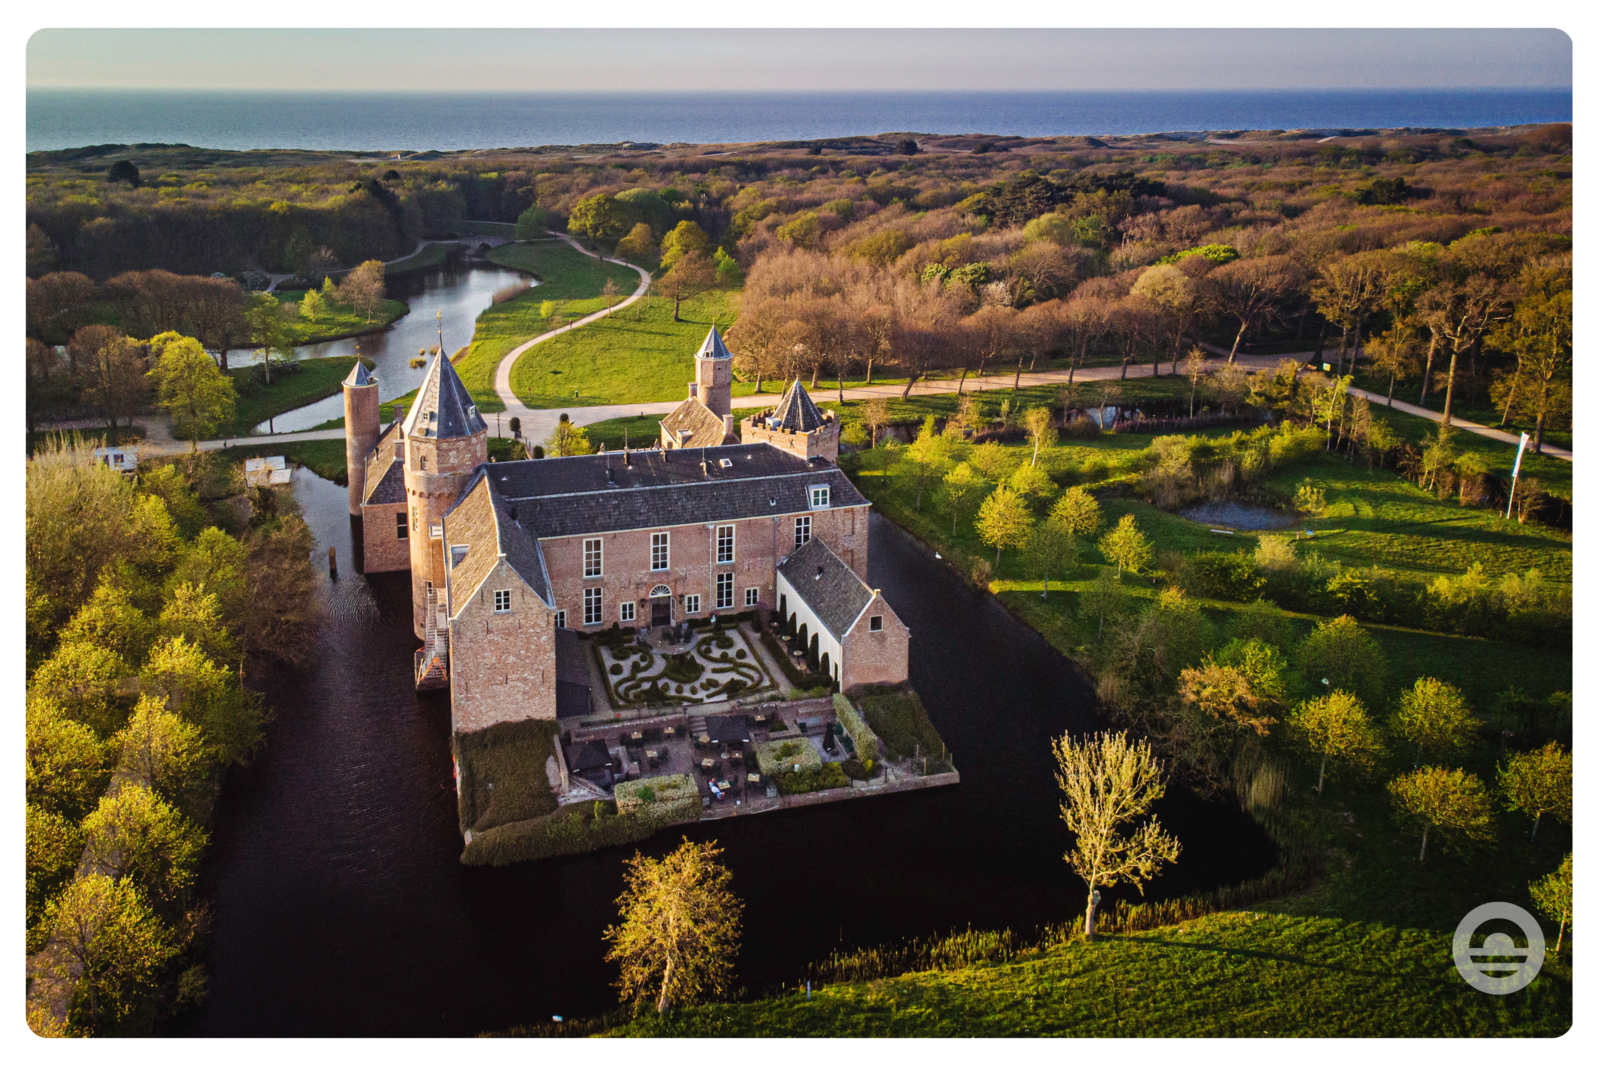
(676, 664)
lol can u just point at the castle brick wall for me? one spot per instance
(436, 472)
(823, 441)
(759, 543)
(502, 665)
(876, 658)
(361, 433)
(382, 549)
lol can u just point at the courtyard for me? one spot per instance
(682, 666)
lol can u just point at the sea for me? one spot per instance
(399, 121)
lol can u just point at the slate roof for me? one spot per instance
(359, 376)
(713, 348)
(692, 424)
(443, 407)
(833, 591)
(386, 475)
(571, 496)
(485, 523)
(728, 728)
(796, 411)
(587, 755)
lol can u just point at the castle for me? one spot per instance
(511, 561)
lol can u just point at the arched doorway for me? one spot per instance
(660, 606)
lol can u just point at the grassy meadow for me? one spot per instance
(315, 379)
(336, 322)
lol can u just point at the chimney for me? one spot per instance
(727, 424)
(611, 476)
(819, 574)
(627, 457)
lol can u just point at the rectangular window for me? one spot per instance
(422, 461)
(691, 605)
(593, 558)
(802, 530)
(875, 623)
(658, 551)
(819, 496)
(502, 601)
(414, 524)
(592, 615)
(627, 610)
(724, 591)
(400, 530)
(561, 619)
(752, 596)
(724, 544)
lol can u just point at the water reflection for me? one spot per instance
(460, 290)
(341, 908)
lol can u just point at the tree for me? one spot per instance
(1540, 336)
(1102, 599)
(1336, 729)
(270, 331)
(1434, 716)
(1538, 783)
(312, 306)
(1110, 782)
(207, 695)
(57, 304)
(1341, 653)
(1252, 291)
(82, 680)
(111, 937)
(926, 460)
(1552, 897)
(110, 371)
(1041, 426)
(198, 396)
(1179, 298)
(1243, 685)
(1194, 368)
(1051, 548)
(123, 171)
(963, 489)
(1127, 546)
(532, 225)
(685, 239)
(1452, 802)
(599, 217)
(160, 749)
(134, 833)
(363, 287)
(1004, 521)
(1032, 484)
(638, 244)
(567, 439)
(67, 765)
(875, 416)
(690, 275)
(679, 928)
(1078, 511)
(1349, 291)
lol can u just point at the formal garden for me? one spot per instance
(710, 667)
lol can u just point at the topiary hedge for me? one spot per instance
(854, 724)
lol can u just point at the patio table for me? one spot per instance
(754, 779)
(707, 764)
(670, 731)
(636, 735)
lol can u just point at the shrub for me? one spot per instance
(511, 756)
(616, 668)
(576, 828)
(1220, 575)
(901, 723)
(866, 740)
(776, 756)
(811, 779)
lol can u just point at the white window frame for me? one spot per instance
(802, 530)
(663, 542)
(593, 606)
(819, 496)
(691, 604)
(724, 600)
(594, 546)
(725, 557)
(752, 596)
(502, 601)
(625, 612)
(561, 619)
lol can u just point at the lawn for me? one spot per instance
(637, 355)
(566, 276)
(1479, 411)
(315, 379)
(1241, 974)
(325, 458)
(335, 321)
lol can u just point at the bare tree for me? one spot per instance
(1178, 297)
(690, 276)
(57, 304)
(1459, 314)
(110, 371)
(1349, 291)
(1252, 291)
(1109, 782)
(363, 288)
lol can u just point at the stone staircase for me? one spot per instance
(432, 667)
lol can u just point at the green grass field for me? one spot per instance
(336, 322)
(316, 378)
(1479, 411)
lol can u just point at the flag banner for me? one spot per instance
(1517, 466)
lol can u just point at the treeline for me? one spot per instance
(150, 603)
(85, 356)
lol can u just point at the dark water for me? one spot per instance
(71, 118)
(341, 909)
(458, 289)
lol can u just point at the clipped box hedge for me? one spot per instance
(780, 756)
(663, 798)
(854, 724)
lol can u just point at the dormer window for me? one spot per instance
(819, 496)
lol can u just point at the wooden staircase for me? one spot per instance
(432, 667)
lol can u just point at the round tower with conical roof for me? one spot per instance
(713, 375)
(446, 440)
(361, 417)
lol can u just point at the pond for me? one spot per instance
(341, 909)
(461, 290)
(1227, 514)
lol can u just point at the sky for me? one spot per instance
(797, 60)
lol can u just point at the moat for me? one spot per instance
(341, 908)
